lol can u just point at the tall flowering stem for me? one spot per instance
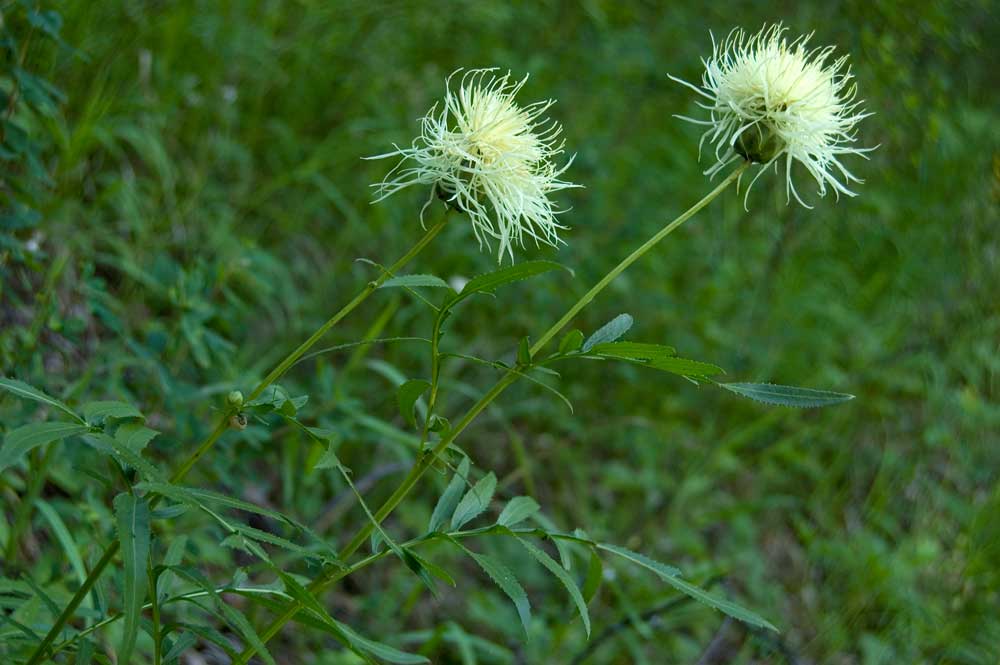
(427, 459)
(41, 651)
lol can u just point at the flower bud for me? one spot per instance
(235, 399)
(758, 144)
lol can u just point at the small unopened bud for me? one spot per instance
(235, 399)
(238, 421)
(759, 144)
(438, 424)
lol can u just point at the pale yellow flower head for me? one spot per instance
(490, 158)
(771, 100)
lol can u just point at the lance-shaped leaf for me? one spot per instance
(561, 574)
(507, 582)
(24, 439)
(671, 576)
(132, 517)
(109, 409)
(492, 280)
(24, 391)
(517, 510)
(571, 341)
(609, 332)
(357, 643)
(411, 281)
(769, 393)
(446, 505)
(475, 502)
(634, 351)
(654, 356)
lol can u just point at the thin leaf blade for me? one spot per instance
(505, 579)
(609, 332)
(492, 280)
(671, 576)
(411, 281)
(110, 409)
(475, 501)
(25, 391)
(132, 517)
(561, 574)
(517, 510)
(24, 439)
(446, 505)
(791, 396)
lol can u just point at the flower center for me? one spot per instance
(758, 143)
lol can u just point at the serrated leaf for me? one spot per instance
(132, 517)
(507, 582)
(329, 459)
(595, 575)
(407, 396)
(634, 350)
(492, 280)
(433, 569)
(671, 576)
(125, 455)
(380, 650)
(416, 566)
(571, 341)
(684, 367)
(517, 510)
(173, 557)
(196, 497)
(475, 501)
(135, 436)
(411, 281)
(561, 574)
(23, 390)
(229, 614)
(609, 332)
(769, 393)
(110, 409)
(19, 442)
(446, 505)
(550, 527)
(277, 399)
(356, 642)
(661, 569)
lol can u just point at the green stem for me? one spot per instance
(155, 606)
(635, 256)
(223, 425)
(293, 357)
(74, 603)
(427, 459)
(435, 377)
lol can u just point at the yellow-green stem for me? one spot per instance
(427, 459)
(276, 373)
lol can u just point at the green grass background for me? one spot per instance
(207, 202)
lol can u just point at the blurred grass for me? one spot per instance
(209, 199)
